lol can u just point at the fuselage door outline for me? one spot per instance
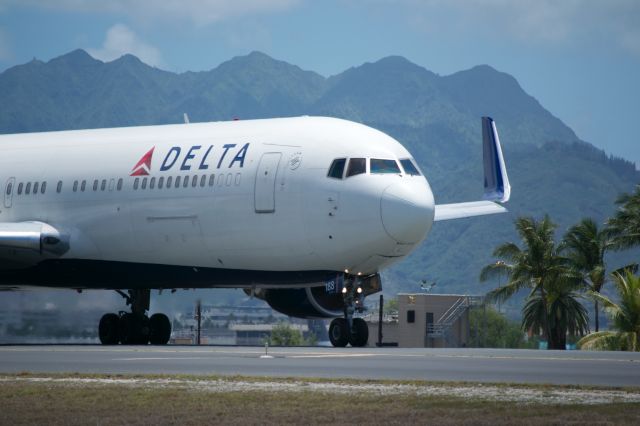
(265, 186)
(8, 191)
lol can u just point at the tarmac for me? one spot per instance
(617, 369)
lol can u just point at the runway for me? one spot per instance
(469, 365)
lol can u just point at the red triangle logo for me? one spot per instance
(143, 167)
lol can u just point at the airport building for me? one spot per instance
(240, 325)
(426, 321)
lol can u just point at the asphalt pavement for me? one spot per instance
(468, 365)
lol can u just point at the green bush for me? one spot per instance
(490, 329)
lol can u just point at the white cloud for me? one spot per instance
(200, 12)
(121, 40)
(613, 22)
(631, 40)
(5, 46)
(249, 36)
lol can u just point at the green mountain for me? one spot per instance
(436, 117)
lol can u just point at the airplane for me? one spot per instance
(302, 212)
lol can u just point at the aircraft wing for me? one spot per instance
(496, 182)
(460, 210)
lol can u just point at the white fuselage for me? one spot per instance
(258, 196)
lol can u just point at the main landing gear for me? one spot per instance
(135, 327)
(343, 331)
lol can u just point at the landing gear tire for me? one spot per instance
(134, 329)
(108, 330)
(160, 329)
(359, 333)
(339, 332)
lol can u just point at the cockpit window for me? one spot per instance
(357, 166)
(337, 168)
(409, 167)
(379, 166)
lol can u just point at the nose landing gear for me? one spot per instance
(135, 327)
(343, 331)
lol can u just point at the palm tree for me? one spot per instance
(538, 266)
(565, 314)
(586, 245)
(625, 225)
(625, 316)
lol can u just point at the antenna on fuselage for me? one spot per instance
(186, 118)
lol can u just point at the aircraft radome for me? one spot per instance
(301, 212)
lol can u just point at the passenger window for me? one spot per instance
(27, 190)
(409, 167)
(161, 182)
(203, 180)
(43, 187)
(152, 183)
(357, 166)
(194, 181)
(103, 185)
(238, 176)
(337, 168)
(169, 179)
(59, 188)
(185, 182)
(229, 179)
(95, 185)
(119, 187)
(75, 185)
(9, 188)
(20, 188)
(83, 185)
(220, 179)
(144, 183)
(212, 180)
(379, 166)
(135, 183)
(35, 188)
(178, 181)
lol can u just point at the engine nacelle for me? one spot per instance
(325, 301)
(310, 302)
(37, 237)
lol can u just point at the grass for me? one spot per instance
(24, 401)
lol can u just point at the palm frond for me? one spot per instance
(495, 270)
(534, 315)
(602, 341)
(509, 251)
(624, 226)
(505, 292)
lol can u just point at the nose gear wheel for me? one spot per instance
(355, 331)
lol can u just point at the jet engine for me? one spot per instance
(324, 301)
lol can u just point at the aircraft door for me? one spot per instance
(265, 188)
(8, 191)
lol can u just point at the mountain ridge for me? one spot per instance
(257, 84)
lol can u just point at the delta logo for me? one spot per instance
(196, 157)
(143, 167)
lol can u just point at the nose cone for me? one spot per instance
(407, 212)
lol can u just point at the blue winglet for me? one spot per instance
(496, 181)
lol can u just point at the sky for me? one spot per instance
(579, 58)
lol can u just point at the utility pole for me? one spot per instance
(380, 321)
(199, 321)
(499, 263)
(484, 323)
